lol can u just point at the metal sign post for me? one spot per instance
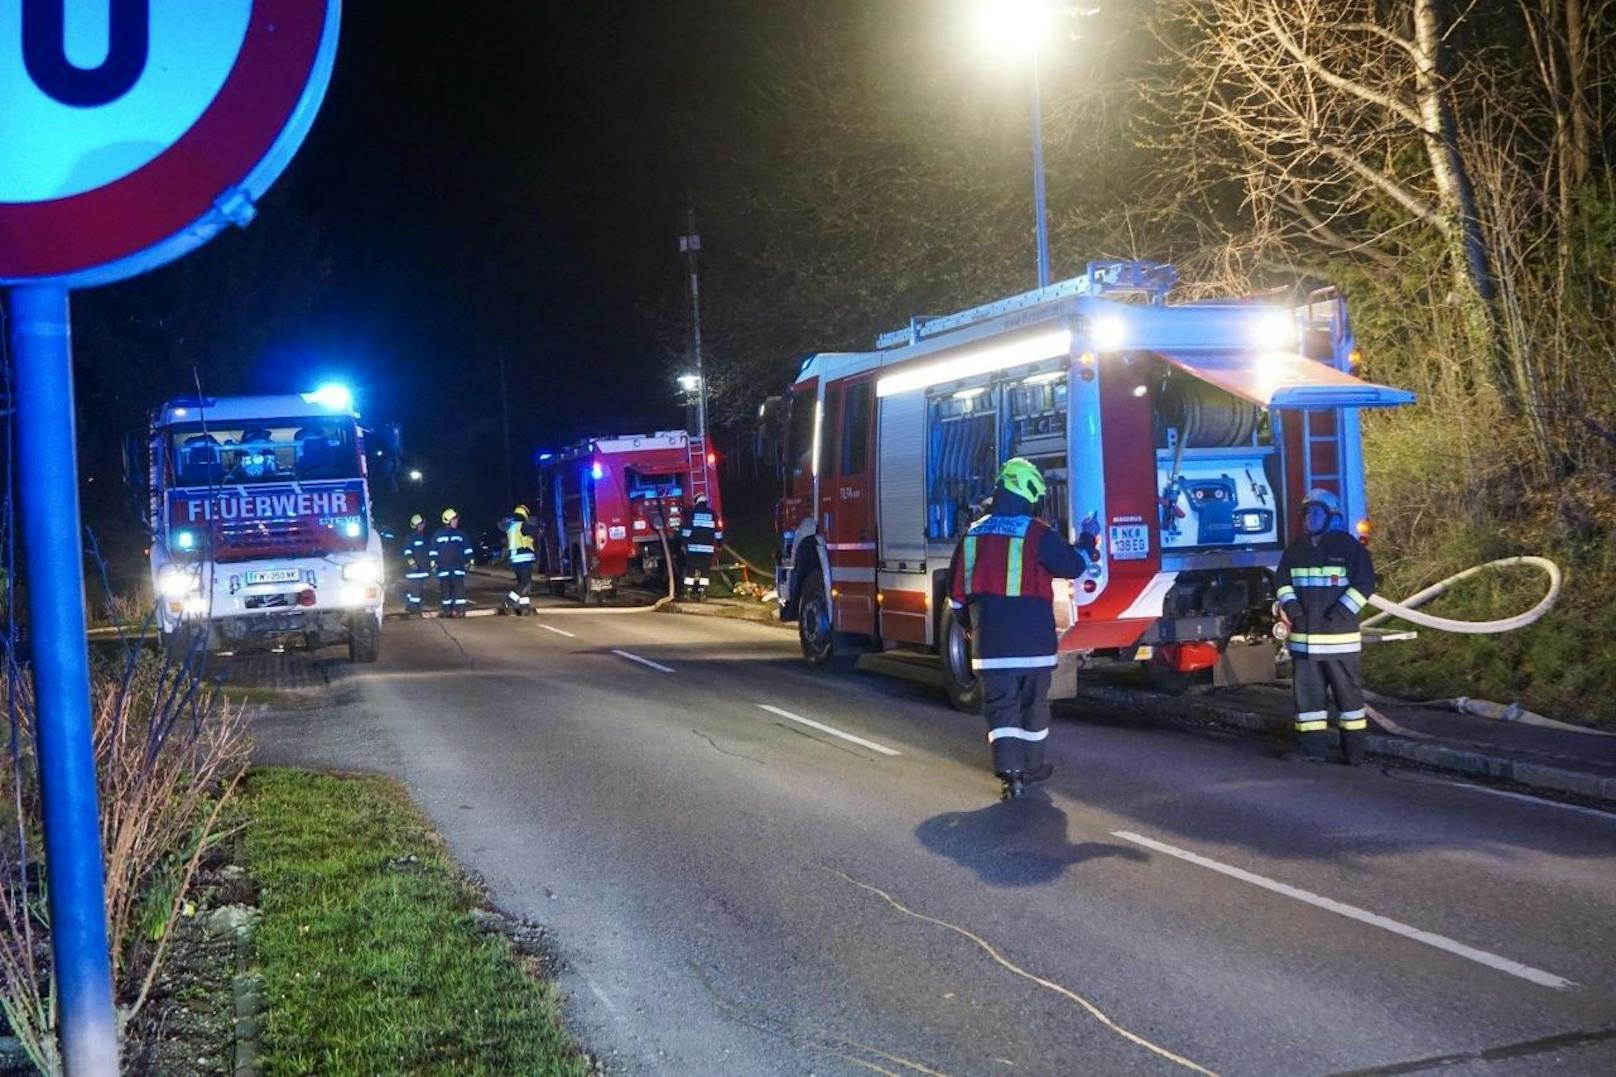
(47, 471)
(111, 171)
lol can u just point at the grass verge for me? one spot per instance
(371, 960)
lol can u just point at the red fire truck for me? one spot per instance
(606, 502)
(1189, 432)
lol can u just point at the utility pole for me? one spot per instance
(505, 424)
(690, 244)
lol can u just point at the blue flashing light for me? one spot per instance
(596, 471)
(185, 540)
(333, 396)
(543, 456)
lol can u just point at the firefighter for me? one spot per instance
(700, 536)
(417, 566)
(1325, 577)
(519, 549)
(451, 556)
(1002, 585)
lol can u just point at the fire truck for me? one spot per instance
(1188, 432)
(607, 503)
(260, 515)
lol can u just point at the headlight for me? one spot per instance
(175, 582)
(366, 571)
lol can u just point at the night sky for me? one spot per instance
(499, 175)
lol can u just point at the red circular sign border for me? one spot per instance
(179, 187)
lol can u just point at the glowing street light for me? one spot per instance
(689, 382)
(1015, 25)
(1020, 28)
(415, 475)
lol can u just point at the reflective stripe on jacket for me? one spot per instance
(451, 552)
(417, 556)
(518, 543)
(1322, 586)
(1005, 569)
(701, 533)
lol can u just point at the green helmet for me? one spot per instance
(1021, 477)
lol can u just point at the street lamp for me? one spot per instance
(1020, 27)
(415, 475)
(690, 383)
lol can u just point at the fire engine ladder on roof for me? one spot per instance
(697, 450)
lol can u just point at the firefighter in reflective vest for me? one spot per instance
(1002, 583)
(451, 556)
(701, 536)
(1325, 577)
(519, 550)
(417, 566)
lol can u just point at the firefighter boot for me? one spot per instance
(1352, 747)
(1315, 746)
(1014, 785)
(1040, 773)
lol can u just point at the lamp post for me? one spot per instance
(1020, 27)
(690, 245)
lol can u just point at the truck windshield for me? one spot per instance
(262, 451)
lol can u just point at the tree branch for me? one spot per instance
(1315, 67)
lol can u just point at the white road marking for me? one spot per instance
(1609, 817)
(558, 631)
(1351, 912)
(641, 661)
(823, 728)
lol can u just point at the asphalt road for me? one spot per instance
(751, 868)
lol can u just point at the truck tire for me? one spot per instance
(364, 640)
(816, 631)
(960, 681)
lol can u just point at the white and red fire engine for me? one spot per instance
(1188, 432)
(260, 516)
(606, 503)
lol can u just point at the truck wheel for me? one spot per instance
(815, 629)
(364, 640)
(960, 681)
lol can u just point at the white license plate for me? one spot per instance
(1130, 542)
(274, 575)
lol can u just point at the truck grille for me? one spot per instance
(241, 540)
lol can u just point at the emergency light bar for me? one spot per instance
(1030, 349)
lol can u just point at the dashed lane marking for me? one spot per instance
(823, 728)
(559, 631)
(1352, 912)
(641, 661)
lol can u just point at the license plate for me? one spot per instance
(274, 575)
(1130, 542)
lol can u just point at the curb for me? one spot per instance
(1467, 762)
(760, 614)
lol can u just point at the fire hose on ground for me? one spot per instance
(1408, 610)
